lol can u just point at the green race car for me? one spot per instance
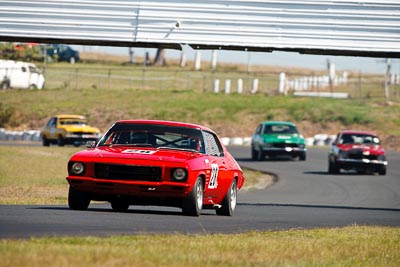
(276, 138)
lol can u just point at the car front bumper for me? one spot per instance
(361, 164)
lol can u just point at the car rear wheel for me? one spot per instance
(77, 200)
(228, 204)
(382, 171)
(193, 203)
(45, 141)
(119, 205)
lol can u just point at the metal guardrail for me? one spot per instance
(343, 27)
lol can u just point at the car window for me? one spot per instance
(280, 129)
(159, 136)
(258, 130)
(359, 139)
(212, 144)
(73, 122)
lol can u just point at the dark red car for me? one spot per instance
(357, 150)
(163, 163)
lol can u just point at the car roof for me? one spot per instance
(358, 132)
(66, 116)
(278, 122)
(167, 123)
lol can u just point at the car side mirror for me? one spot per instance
(91, 144)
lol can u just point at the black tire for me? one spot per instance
(193, 203)
(77, 200)
(253, 153)
(333, 168)
(228, 204)
(303, 156)
(119, 205)
(45, 141)
(260, 155)
(60, 141)
(382, 170)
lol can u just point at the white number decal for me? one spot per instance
(214, 175)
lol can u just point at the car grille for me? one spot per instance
(82, 133)
(283, 145)
(358, 154)
(127, 172)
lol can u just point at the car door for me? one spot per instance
(218, 180)
(52, 126)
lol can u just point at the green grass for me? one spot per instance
(348, 246)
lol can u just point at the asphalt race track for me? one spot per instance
(305, 196)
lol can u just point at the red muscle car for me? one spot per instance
(162, 163)
(357, 150)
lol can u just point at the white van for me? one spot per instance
(18, 74)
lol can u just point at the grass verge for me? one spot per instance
(348, 246)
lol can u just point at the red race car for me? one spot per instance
(162, 163)
(357, 150)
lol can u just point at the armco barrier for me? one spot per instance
(34, 135)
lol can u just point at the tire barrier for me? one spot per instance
(34, 135)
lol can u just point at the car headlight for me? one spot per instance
(342, 154)
(179, 174)
(77, 168)
(381, 158)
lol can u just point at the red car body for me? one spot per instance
(164, 163)
(357, 150)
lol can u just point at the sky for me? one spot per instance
(277, 58)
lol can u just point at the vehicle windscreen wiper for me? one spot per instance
(136, 145)
(178, 148)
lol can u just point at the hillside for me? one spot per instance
(230, 115)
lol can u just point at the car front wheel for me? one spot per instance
(229, 202)
(77, 200)
(333, 168)
(193, 203)
(60, 141)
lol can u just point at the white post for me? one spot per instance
(282, 83)
(214, 60)
(197, 60)
(216, 86)
(240, 86)
(182, 62)
(227, 86)
(255, 86)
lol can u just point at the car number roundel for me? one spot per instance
(214, 177)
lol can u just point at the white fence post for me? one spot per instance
(240, 86)
(255, 86)
(227, 86)
(216, 86)
(197, 64)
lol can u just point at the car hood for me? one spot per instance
(81, 128)
(283, 138)
(136, 153)
(370, 149)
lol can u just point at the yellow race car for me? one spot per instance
(68, 129)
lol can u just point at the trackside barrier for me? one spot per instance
(34, 135)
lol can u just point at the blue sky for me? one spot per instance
(287, 59)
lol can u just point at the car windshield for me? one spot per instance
(72, 122)
(359, 139)
(280, 129)
(151, 135)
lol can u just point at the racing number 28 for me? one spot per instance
(214, 175)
